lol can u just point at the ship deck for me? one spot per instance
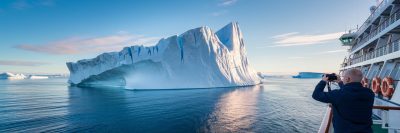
(378, 126)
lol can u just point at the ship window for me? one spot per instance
(347, 40)
(396, 72)
(370, 49)
(386, 73)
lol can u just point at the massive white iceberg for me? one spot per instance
(198, 58)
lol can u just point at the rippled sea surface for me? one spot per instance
(278, 105)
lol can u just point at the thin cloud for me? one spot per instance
(20, 4)
(295, 39)
(25, 4)
(285, 35)
(123, 32)
(227, 2)
(333, 51)
(320, 53)
(45, 2)
(296, 57)
(89, 45)
(21, 63)
(219, 13)
(223, 3)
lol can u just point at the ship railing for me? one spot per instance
(384, 121)
(327, 126)
(386, 23)
(380, 51)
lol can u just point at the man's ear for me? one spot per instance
(348, 79)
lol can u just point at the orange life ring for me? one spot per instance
(364, 82)
(387, 87)
(376, 85)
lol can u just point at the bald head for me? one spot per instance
(352, 75)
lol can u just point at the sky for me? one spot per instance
(281, 36)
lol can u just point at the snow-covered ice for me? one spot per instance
(37, 77)
(8, 75)
(198, 58)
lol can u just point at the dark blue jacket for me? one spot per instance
(352, 106)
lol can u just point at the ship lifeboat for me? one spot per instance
(376, 85)
(364, 82)
(387, 87)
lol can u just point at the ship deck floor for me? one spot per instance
(377, 128)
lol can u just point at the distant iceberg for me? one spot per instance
(11, 76)
(198, 58)
(308, 75)
(37, 77)
(273, 75)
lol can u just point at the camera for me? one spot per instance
(331, 77)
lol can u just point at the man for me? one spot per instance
(351, 104)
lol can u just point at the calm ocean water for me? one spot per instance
(279, 105)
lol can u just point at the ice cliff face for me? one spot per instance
(198, 58)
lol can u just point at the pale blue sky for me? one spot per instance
(281, 36)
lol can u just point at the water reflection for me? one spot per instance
(235, 111)
(96, 109)
(281, 105)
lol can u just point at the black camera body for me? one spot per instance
(331, 77)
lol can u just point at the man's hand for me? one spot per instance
(338, 80)
(325, 78)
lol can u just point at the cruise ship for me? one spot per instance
(374, 48)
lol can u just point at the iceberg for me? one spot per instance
(11, 76)
(308, 75)
(37, 77)
(198, 58)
